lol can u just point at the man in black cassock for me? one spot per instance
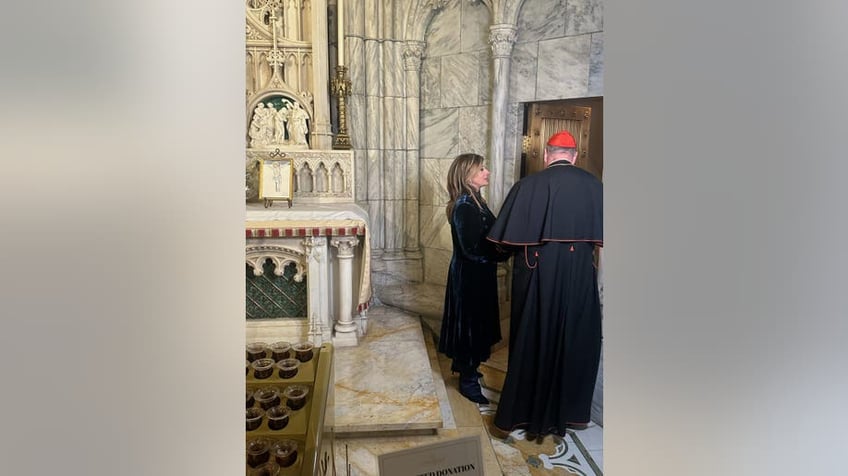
(552, 220)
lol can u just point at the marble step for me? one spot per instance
(384, 385)
(493, 378)
(424, 299)
(427, 301)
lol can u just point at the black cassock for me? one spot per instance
(470, 324)
(552, 219)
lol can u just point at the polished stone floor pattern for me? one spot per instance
(394, 391)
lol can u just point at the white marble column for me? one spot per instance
(357, 64)
(501, 38)
(374, 145)
(318, 286)
(345, 327)
(412, 53)
(321, 133)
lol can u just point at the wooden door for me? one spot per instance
(547, 119)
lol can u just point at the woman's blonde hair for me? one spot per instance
(461, 170)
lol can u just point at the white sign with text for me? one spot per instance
(462, 456)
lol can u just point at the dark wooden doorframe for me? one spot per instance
(583, 117)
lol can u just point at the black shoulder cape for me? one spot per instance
(560, 203)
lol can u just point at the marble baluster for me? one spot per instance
(501, 38)
(345, 327)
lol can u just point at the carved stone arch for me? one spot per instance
(281, 256)
(292, 69)
(306, 59)
(256, 29)
(419, 17)
(322, 177)
(272, 93)
(421, 14)
(308, 73)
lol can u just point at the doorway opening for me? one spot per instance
(583, 117)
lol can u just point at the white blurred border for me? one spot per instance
(122, 198)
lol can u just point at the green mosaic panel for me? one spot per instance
(271, 297)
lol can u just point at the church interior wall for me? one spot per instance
(454, 117)
(558, 54)
(401, 161)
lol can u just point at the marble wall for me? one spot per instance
(423, 91)
(558, 54)
(424, 86)
(454, 117)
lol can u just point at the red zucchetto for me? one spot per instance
(562, 139)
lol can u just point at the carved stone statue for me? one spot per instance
(297, 125)
(255, 131)
(280, 120)
(268, 122)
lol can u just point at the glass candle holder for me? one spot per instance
(296, 396)
(253, 418)
(271, 468)
(285, 452)
(263, 368)
(288, 368)
(280, 350)
(256, 350)
(267, 397)
(303, 351)
(278, 417)
(249, 399)
(258, 451)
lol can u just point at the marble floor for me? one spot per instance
(394, 391)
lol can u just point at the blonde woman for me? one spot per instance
(470, 324)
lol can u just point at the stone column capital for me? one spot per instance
(313, 246)
(345, 245)
(413, 51)
(501, 39)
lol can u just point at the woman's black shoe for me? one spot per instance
(469, 388)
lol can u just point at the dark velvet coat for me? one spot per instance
(471, 321)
